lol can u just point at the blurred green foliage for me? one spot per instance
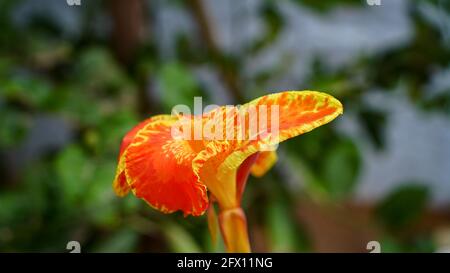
(65, 194)
(403, 206)
(179, 85)
(328, 5)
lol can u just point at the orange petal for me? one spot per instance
(298, 112)
(263, 163)
(208, 164)
(221, 182)
(120, 184)
(242, 175)
(158, 169)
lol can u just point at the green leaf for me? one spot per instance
(12, 205)
(423, 244)
(30, 90)
(390, 245)
(96, 69)
(274, 23)
(79, 106)
(341, 167)
(403, 206)
(179, 240)
(374, 122)
(281, 228)
(47, 52)
(324, 6)
(178, 85)
(74, 170)
(14, 126)
(99, 196)
(122, 241)
(113, 129)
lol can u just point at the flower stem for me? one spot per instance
(233, 227)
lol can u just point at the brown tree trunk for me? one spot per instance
(128, 32)
(205, 26)
(128, 27)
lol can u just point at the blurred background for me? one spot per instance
(75, 78)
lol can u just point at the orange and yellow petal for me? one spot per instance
(298, 112)
(264, 162)
(158, 169)
(221, 182)
(292, 112)
(171, 174)
(120, 184)
(128, 138)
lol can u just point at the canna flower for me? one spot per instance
(173, 165)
